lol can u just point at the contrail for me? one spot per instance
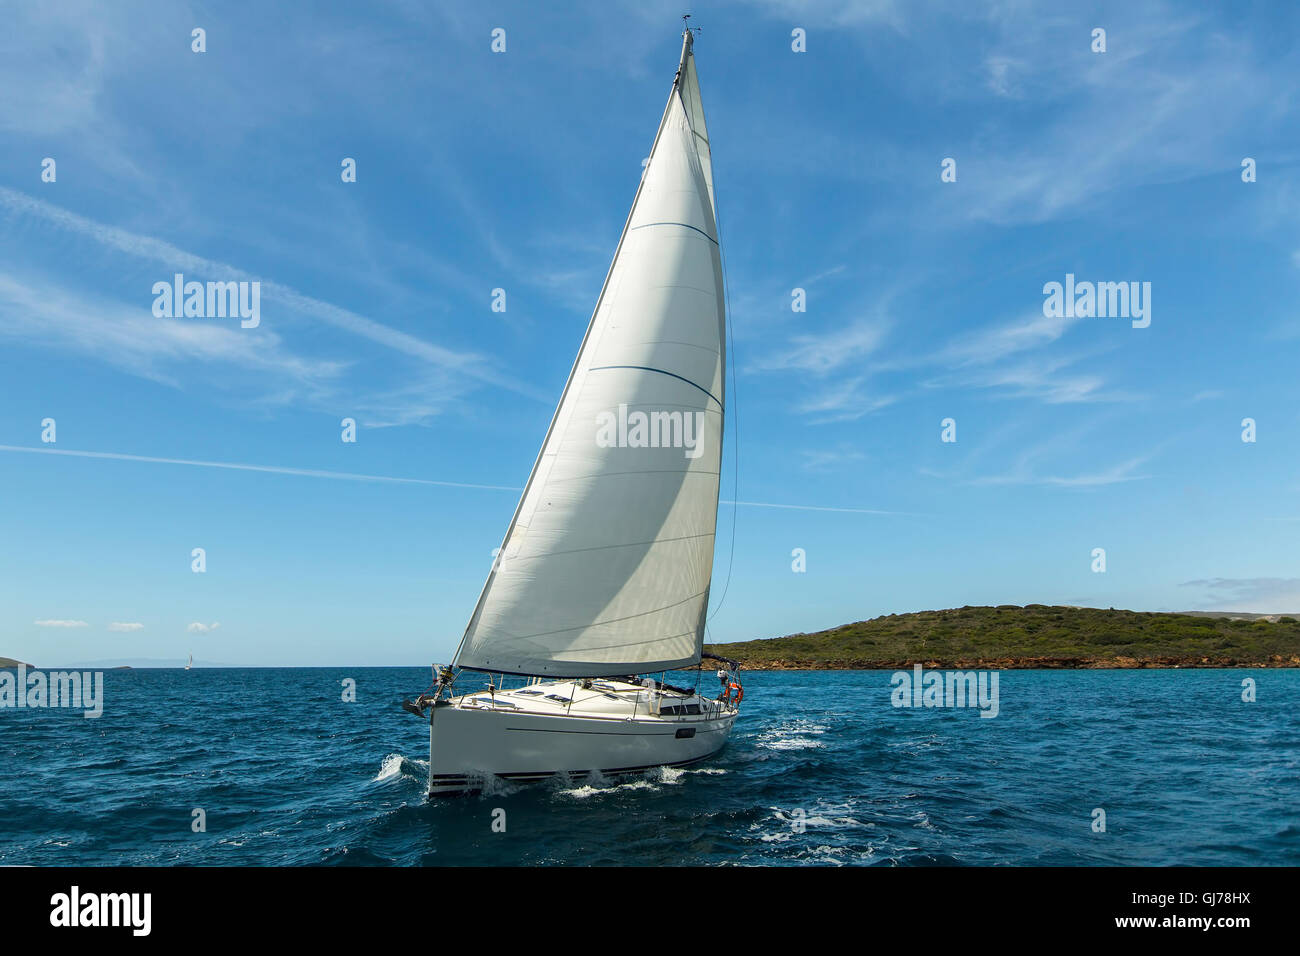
(856, 511)
(352, 476)
(272, 469)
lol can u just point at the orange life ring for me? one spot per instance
(740, 691)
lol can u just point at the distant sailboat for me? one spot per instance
(190, 663)
(605, 569)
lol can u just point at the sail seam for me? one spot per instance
(606, 647)
(615, 620)
(684, 225)
(607, 547)
(660, 471)
(689, 345)
(647, 368)
(658, 405)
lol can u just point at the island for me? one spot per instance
(1034, 636)
(8, 663)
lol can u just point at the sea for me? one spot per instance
(322, 767)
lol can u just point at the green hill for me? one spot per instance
(1038, 636)
(9, 662)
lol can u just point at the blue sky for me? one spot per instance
(478, 170)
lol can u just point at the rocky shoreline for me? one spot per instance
(1019, 663)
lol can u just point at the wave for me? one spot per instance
(398, 766)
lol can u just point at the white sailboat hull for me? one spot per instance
(471, 745)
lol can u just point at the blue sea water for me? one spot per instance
(821, 770)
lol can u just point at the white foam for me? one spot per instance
(826, 851)
(795, 736)
(490, 785)
(793, 743)
(596, 783)
(671, 775)
(391, 767)
(581, 793)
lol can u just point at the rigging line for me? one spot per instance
(734, 401)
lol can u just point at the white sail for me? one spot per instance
(606, 565)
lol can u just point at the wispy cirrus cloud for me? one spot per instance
(1169, 101)
(1116, 474)
(198, 627)
(1045, 378)
(828, 351)
(125, 627)
(162, 350)
(1013, 359)
(1021, 359)
(175, 259)
(843, 401)
(825, 458)
(996, 342)
(261, 369)
(458, 369)
(51, 622)
(1164, 122)
(1003, 76)
(1016, 359)
(1006, 460)
(833, 389)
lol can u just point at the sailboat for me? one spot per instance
(190, 662)
(604, 573)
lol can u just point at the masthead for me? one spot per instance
(687, 30)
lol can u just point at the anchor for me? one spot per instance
(444, 677)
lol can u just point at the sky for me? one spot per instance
(924, 300)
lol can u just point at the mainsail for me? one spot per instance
(606, 565)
